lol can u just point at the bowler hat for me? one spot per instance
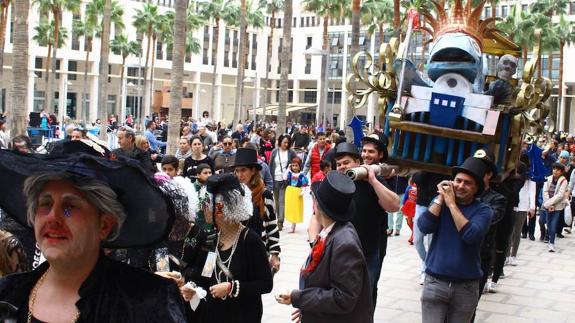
(488, 158)
(345, 148)
(476, 168)
(334, 195)
(247, 158)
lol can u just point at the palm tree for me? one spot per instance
(218, 10)
(272, 7)
(254, 19)
(4, 4)
(565, 31)
(177, 82)
(285, 64)
(89, 28)
(44, 36)
(103, 73)
(123, 47)
(241, 64)
(161, 31)
(549, 40)
(375, 14)
(18, 107)
(144, 21)
(326, 9)
(55, 8)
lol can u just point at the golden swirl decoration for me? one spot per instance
(362, 82)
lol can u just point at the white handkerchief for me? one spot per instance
(199, 295)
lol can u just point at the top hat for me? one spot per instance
(488, 158)
(334, 195)
(246, 157)
(476, 168)
(150, 212)
(345, 148)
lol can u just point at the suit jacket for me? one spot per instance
(338, 289)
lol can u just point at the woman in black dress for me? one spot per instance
(240, 273)
(198, 157)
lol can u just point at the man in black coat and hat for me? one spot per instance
(78, 205)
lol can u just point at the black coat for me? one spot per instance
(338, 290)
(113, 292)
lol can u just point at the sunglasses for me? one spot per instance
(227, 143)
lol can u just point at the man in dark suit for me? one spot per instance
(335, 283)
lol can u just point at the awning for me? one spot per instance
(273, 109)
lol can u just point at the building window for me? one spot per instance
(313, 21)
(72, 67)
(279, 24)
(235, 50)
(111, 104)
(504, 11)
(39, 98)
(307, 65)
(525, 8)
(75, 39)
(227, 48)
(294, 22)
(307, 21)
(38, 64)
(272, 54)
(214, 55)
(169, 52)
(572, 8)
(206, 45)
(159, 51)
(301, 22)
(57, 69)
(487, 12)
(331, 99)
(109, 73)
(133, 72)
(309, 42)
(254, 50)
(310, 96)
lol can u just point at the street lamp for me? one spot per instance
(322, 106)
(252, 80)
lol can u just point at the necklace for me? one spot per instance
(33, 299)
(228, 261)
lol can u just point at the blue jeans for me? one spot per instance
(373, 270)
(418, 236)
(395, 219)
(552, 221)
(543, 224)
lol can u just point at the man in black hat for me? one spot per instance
(335, 278)
(459, 222)
(373, 199)
(77, 205)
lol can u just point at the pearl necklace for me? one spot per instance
(33, 299)
(228, 261)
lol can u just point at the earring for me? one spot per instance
(67, 212)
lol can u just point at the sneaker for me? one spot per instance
(492, 287)
(421, 278)
(506, 261)
(512, 261)
(551, 247)
(568, 230)
(532, 238)
(559, 235)
(396, 232)
(486, 288)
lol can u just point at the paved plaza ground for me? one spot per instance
(540, 289)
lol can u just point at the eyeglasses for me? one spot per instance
(227, 143)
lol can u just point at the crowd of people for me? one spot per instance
(92, 231)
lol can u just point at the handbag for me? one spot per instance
(568, 217)
(284, 183)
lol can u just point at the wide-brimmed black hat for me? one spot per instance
(379, 140)
(345, 148)
(476, 168)
(246, 157)
(334, 195)
(150, 213)
(488, 158)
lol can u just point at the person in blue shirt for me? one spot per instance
(459, 222)
(155, 144)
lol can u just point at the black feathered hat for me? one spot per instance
(236, 197)
(149, 212)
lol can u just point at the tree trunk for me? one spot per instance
(120, 100)
(323, 85)
(103, 73)
(213, 109)
(285, 64)
(355, 25)
(177, 76)
(396, 15)
(381, 35)
(146, 110)
(151, 89)
(52, 76)
(550, 65)
(268, 62)
(560, 93)
(18, 107)
(3, 18)
(83, 113)
(241, 64)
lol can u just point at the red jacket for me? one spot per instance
(316, 159)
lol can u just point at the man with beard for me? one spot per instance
(459, 222)
(373, 199)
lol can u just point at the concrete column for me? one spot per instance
(197, 94)
(296, 92)
(343, 107)
(93, 103)
(218, 105)
(62, 90)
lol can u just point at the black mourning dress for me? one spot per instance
(249, 266)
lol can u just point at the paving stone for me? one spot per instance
(496, 307)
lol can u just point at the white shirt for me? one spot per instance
(526, 197)
(281, 164)
(325, 231)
